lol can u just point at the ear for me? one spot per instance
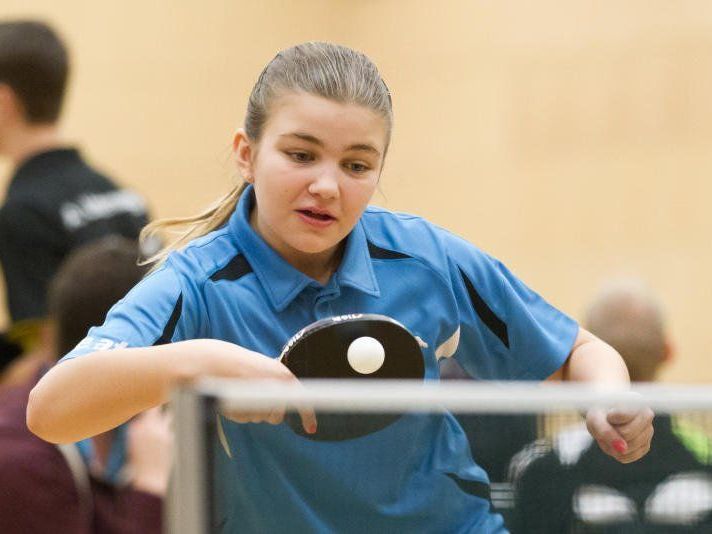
(9, 103)
(244, 152)
(669, 352)
(5, 100)
(49, 340)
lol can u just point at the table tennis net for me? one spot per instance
(544, 471)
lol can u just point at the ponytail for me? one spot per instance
(188, 228)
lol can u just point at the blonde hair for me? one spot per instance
(323, 69)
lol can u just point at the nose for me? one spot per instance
(325, 183)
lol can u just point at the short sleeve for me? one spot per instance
(157, 311)
(505, 330)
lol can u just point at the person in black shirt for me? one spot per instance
(55, 201)
(566, 485)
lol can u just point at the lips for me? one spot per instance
(316, 218)
(319, 215)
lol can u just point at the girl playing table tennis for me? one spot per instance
(295, 243)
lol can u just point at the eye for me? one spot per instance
(300, 157)
(357, 167)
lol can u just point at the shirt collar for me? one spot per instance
(281, 281)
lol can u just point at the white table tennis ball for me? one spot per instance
(366, 355)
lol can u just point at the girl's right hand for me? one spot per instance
(226, 359)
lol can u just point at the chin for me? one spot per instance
(313, 245)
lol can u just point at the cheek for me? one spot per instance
(273, 182)
(280, 177)
(359, 195)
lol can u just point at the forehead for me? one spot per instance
(333, 123)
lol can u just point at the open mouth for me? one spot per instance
(317, 216)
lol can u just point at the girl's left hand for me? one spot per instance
(624, 434)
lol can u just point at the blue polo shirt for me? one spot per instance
(418, 473)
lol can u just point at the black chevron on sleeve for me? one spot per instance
(485, 313)
(170, 328)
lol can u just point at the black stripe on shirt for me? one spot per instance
(234, 270)
(473, 487)
(379, 253)
(170, 328)
(485, 313)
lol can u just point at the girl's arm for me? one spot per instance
(623, 434)
(591, 360)
(93, 393)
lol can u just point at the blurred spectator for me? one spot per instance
(55, 201)
(571, 486)
(9, 353)
(105, 485)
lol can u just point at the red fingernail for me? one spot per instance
(620, 445)
(312, 429)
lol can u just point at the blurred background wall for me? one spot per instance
(573, 140)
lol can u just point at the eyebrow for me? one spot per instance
(311, 139)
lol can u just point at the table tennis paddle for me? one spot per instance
(357, 346)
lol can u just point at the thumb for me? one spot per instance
(604, 432)
(619, 416)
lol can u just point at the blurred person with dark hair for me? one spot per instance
(55, 201)
(567, 485)
(113, 483)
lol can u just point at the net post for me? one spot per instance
(188, 510)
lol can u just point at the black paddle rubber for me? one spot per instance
(320, 351)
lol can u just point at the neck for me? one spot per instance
(30, 139)
(321, 266)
